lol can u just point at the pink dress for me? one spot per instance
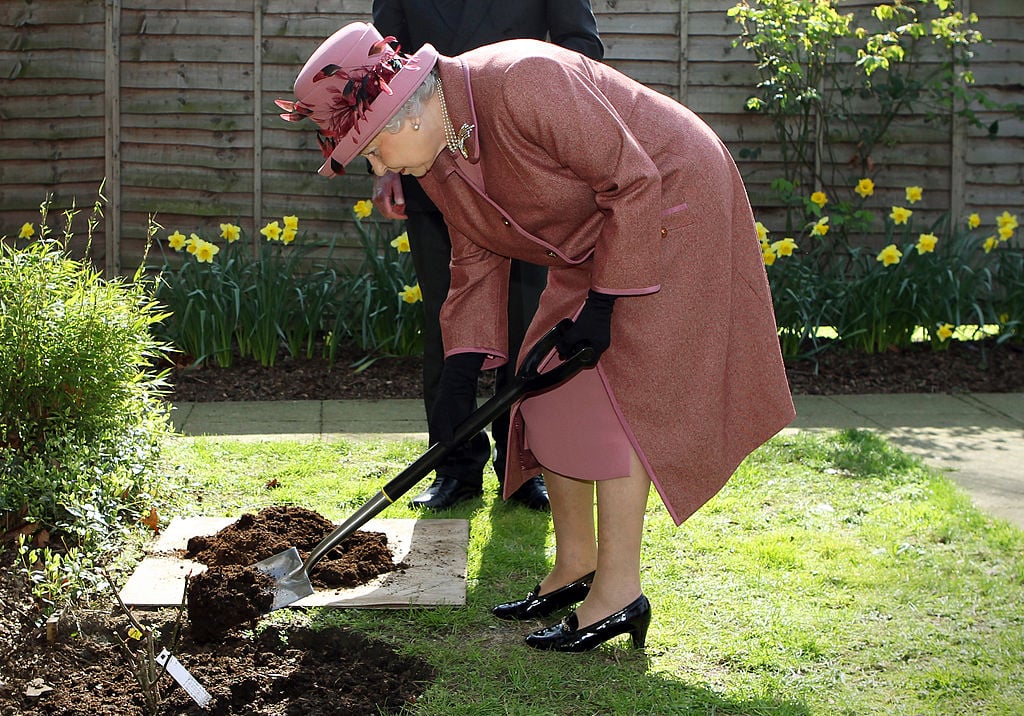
(576, 431)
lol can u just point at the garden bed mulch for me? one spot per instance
(965, 367)
(83, 666)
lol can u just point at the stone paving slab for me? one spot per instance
(432, 554)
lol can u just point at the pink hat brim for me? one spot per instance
(402, 85)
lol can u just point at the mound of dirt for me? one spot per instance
(359, 558)
(232, 593)
(89, 667)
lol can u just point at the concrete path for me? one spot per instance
(977, 438)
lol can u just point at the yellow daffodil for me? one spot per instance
(926, 243)
(990, 243)
(291, 222)
(762, 232)
(272, 231)
(900, 215)
(973, 221)
(27, 231)
(205, 251)
(288, 235)
(820, 228)
(769, 256)
(784, 247)
(230, 232)
(1004, 317)
(865, 188)
(192, 245)
(889, 255)
(401, 242)
(1005, 233)
(914, 194)
(1006, 219)
(411, 294)
(363, 208)
(819, 198)
(945, 331)
(176, 241)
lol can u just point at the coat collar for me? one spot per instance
(461, 110)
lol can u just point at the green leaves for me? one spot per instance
(81, 420)
(253, 299)
(828, 83)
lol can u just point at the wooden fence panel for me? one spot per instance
(183, 111)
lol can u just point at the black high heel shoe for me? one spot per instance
(538, 606)
(567, 635)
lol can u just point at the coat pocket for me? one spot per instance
(676, 218)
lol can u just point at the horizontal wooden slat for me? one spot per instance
(188, 81)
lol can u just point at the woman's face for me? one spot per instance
(407, 151)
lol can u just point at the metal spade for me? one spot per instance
(291, 574)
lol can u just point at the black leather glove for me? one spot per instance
(456, 395)
(593, 327)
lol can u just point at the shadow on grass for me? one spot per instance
(613, 679)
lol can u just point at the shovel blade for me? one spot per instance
(291, 583)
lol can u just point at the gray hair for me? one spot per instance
(413, 106)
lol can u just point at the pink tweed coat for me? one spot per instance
(618, 188)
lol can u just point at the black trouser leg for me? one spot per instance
(526, 282)
(431, 250)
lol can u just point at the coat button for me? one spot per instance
(506, 222)
(552, 254)
(664, 232)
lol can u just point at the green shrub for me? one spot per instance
(81, 417)
(831, 81)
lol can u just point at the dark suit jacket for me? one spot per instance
(455, 26)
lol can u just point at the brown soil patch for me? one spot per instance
(975, 367)
(232, 592)
(86, 671)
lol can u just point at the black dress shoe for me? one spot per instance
(532, 494)
(539, 606)
(444, 493)
(567, 635)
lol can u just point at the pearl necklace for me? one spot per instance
(454, 142)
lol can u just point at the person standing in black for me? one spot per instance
(453, 27)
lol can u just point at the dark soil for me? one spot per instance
(232, 593)
(87, 669)
(296, 671)
(977, 367)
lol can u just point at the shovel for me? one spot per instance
(287, 568)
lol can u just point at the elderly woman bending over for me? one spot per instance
(538, 153)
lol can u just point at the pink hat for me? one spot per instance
(351, 87)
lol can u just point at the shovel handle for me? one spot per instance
(527, 380)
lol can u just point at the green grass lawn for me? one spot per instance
(833, 575)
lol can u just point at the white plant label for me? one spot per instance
(174, 667)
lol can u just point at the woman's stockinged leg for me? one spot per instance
(613, 604)
(621, 503)
(572, 515)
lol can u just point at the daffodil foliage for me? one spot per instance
(275, 292)
(956, 278)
